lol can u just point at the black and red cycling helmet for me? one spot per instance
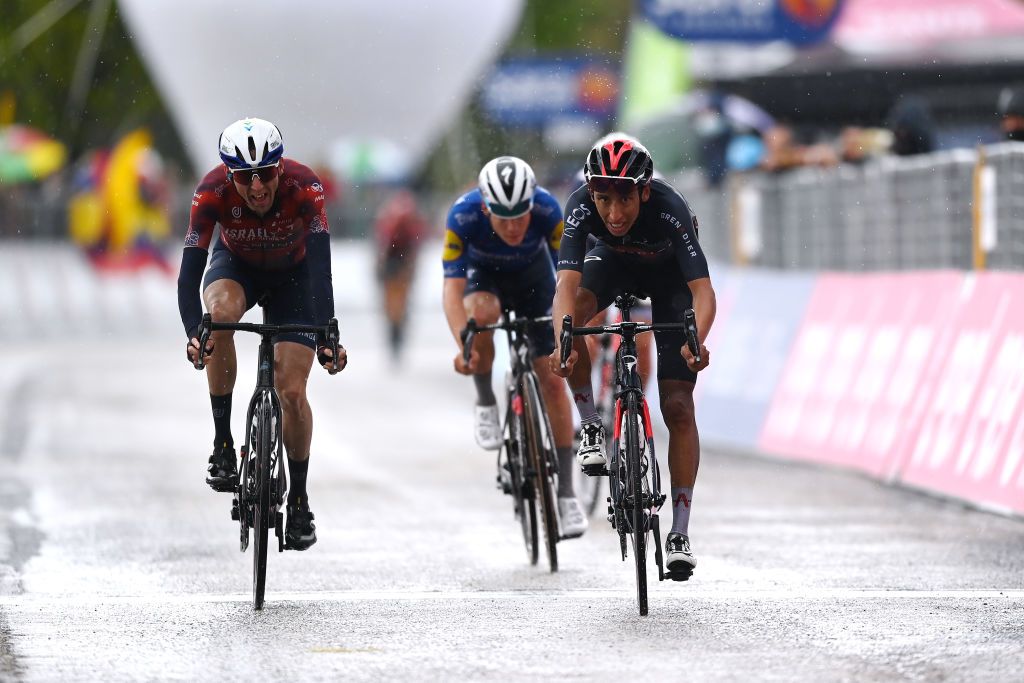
(615, 161)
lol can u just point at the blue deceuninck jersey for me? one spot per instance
(469, 239)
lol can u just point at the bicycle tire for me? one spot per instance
(522, 489)
(261, 504)
(635, 494)
(540, 445)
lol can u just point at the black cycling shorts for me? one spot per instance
(607, 275)
(528, 292)
(285, 295)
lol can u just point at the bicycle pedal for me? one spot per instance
(595, 470)
(235, 516)
(679, 575)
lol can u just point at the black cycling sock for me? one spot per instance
(484, 391)
(222, 421)
(297, 470)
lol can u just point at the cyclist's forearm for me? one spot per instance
(318, 253)
(190, 306)
(454, 311)
(704, 306)
(564, 303)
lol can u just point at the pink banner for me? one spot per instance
(867, 25)
(970, 439)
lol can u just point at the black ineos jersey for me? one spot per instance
(664, 229)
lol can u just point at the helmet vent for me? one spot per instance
(252, 148)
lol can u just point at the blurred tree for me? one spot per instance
(73, 72)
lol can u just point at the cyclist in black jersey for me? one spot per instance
(646, 244)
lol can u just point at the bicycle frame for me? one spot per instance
(531, 458)
(634, 476)
(256, 503)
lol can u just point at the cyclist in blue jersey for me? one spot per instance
(646, 242)
(501, 244)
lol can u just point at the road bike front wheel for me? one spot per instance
(522, 487)
(635, 498)
(541, 447)
(263, 441)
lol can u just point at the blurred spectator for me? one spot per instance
(1011, 109)
(399, 227)
(857, 145)
(782, 152)
(913, 131)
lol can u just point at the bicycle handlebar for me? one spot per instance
(688, 326)
(472, 329)
(207, 327)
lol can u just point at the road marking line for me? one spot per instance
(585, 594)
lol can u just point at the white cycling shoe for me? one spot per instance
(571, 519)
(591, 450)
(487, 427)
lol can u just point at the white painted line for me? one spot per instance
(469, 596)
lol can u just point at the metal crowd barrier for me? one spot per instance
(959, 209)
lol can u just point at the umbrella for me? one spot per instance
(27, 154)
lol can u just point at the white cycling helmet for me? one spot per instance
(507, 185)
(251, 143)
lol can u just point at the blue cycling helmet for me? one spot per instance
(251, 143)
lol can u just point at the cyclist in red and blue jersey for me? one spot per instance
(273, 249)
(501, 244)
(646, 242)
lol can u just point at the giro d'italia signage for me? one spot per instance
(800, 22)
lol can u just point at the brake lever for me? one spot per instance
(204, 336)
(467, 335)
(333, 337)
(565, 342)
(690, 321)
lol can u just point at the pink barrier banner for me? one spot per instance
(970, 438)
(851, 382)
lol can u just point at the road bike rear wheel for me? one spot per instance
(541, 449)
(522, 487)
(636, 511)
(263, 441)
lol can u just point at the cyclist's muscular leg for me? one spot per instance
(585, 309)
(485, 308)
(292, 363)
(225, 301)
(683, 440)
(557, 401)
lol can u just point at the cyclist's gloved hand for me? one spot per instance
(691, 363)
(324, 357)
(192, 348)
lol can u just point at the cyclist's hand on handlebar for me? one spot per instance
(555, 362)
(464, 368)
(192, 349)
(326, 359)
(705, 358)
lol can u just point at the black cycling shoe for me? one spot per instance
(222, 472)
(299, 531)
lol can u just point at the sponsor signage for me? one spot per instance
(800, 22)
(535, 92)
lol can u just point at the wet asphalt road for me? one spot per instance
(117, 562)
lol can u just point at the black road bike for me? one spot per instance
(262, 480)
(634, 478)
(527, 460)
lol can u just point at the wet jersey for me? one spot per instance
(470, 241)
(271, 242)
(292, 232)
(664, 229)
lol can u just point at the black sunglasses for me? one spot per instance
(615, 184)
(244, 176)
